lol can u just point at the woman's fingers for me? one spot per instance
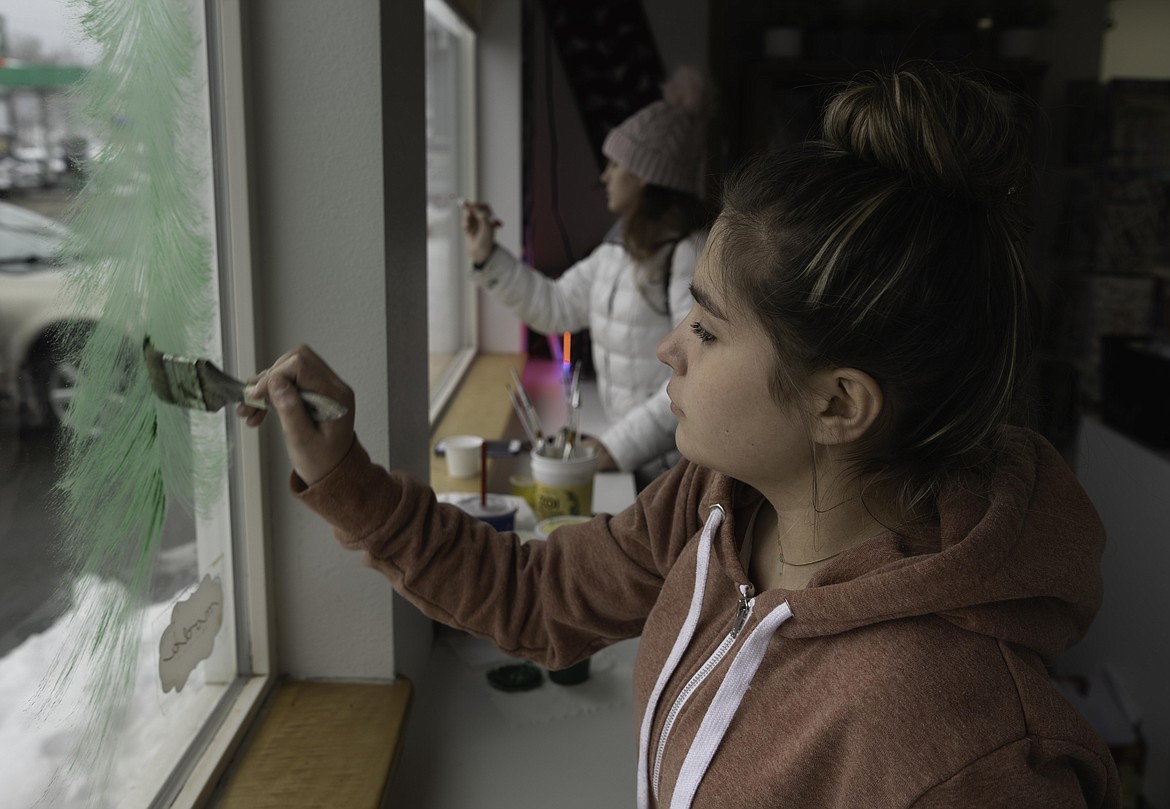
(478, 218)
(314, 448)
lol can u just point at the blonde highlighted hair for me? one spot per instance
(894, 244)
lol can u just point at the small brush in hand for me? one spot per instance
(200, 385)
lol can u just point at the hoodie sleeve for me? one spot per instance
(1030, 773)
(546, 304)
(554, 602)
(647, 431)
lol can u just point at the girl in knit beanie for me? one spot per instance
(634, 287)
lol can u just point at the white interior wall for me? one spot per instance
(325, 230)
(499, 155)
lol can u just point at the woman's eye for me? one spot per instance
(703, 335)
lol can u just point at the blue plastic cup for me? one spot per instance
(498, 512)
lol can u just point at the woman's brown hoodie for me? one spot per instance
(911, 672)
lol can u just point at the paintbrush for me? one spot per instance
(199, 385)
(530, 412)
(572, 435)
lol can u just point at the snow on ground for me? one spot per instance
(151, 736)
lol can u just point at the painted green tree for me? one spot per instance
(141, 247)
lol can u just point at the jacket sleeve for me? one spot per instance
(554, 602)
(1029, 773)
(546, 304)
(647, 431)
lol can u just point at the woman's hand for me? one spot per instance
(479, 230)
(605, 461)
(314, 448)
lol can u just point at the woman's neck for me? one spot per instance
(790, 545)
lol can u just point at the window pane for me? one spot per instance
(450, 317)
(45, 602)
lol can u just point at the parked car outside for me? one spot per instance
(44, 167)
(37, 370)
(22, 175)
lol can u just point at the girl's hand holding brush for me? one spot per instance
(315, 448)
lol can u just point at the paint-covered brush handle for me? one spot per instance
(320, 406)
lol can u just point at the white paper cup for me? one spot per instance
(462, 453)
(563, 487)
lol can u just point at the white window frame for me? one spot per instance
(254, 632)
(467, 169)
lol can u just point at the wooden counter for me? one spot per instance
(480, 407)
(321, 744)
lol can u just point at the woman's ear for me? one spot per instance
(847, 403)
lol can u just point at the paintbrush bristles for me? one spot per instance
(219, 389)
(201, 385)
(176, 381)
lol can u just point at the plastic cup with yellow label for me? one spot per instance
(563, 486)
(524, 487)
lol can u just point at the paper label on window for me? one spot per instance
(195, 621)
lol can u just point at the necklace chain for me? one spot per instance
(783, 562)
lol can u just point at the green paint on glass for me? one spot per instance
(141, 248)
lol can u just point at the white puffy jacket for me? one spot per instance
(601, 292)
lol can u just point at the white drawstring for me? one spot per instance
(724, 705)
(703, 558)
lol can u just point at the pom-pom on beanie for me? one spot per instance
(664, 142)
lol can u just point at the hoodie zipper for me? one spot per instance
(746, 601)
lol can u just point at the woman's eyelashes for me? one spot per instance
(703, 335)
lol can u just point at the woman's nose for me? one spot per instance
(669, 350)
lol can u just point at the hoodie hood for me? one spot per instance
(1019, 562)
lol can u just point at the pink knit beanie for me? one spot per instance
(664, 142)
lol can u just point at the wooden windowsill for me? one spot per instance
(480, 407)
(320, 744)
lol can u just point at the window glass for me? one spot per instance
(450, 142)
(131, 758)
(28, 239)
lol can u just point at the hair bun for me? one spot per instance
(941, 129)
